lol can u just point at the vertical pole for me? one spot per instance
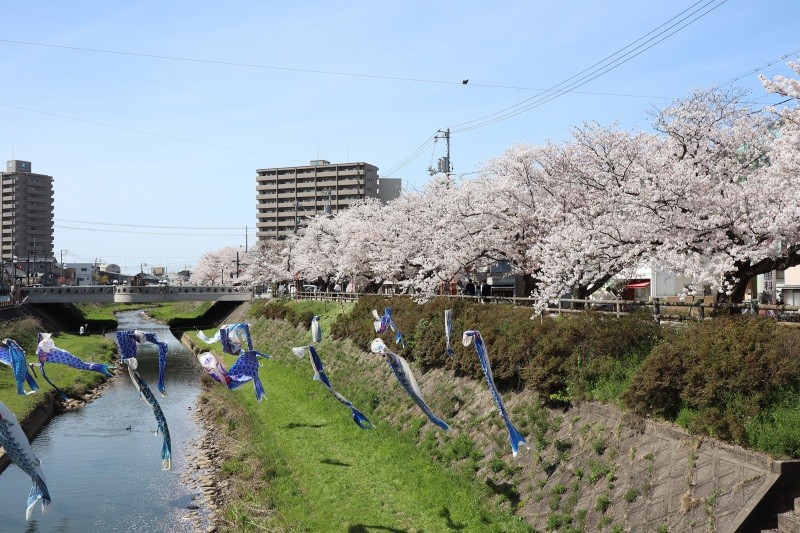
(447, 139)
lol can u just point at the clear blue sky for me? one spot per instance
(118, 179)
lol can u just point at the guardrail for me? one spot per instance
(662, 309)
(327, 296)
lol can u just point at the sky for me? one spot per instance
(153, 117)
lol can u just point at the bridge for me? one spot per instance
(128, 294)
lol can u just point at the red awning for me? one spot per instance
(638, 285)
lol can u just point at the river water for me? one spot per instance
(102, 462)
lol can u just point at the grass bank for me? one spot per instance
(170, 311)
(297, 462)
(104, 312)
(74, 382)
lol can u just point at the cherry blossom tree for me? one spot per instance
(269, 261)
(219, 267)
(571, 200)
(727, 212)
(432, 237)
(712, 193)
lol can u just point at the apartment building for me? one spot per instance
(289, 197)
(26, 227)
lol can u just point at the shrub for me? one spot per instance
(725, 372)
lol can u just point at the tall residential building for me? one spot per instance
(27, 216)
(289, 196)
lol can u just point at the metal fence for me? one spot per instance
(661, 308)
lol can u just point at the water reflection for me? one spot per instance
(103, 462)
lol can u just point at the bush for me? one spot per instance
(726, 371)
(565, 357)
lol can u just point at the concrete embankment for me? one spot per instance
(590, 466)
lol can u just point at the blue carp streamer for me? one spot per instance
(448, 332)
(128, 341)
(513, 435)
(316, 330)
(47, 352)
(246, 366)
(402, 371)
(147, 394)
(18, 449)
(319, 374)
(228, 336)
(13, 355)
(382, 322)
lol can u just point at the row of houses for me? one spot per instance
(51, 273)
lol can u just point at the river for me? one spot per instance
(102, 462)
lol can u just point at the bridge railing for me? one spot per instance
(132, 294)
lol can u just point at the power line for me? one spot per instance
(750, 72)
(151, 232)
(590, 72)
(597, 69)
(163, 136)
(770, 105)
(302, 70)
(411, 157)
(149, 226)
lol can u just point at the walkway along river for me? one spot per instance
(103, 461)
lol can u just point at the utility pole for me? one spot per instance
(444, 162)
(245, 239)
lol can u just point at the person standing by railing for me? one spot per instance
(486, 291)
(469, 288)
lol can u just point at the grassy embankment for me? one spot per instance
(735, 378)
(74, 382)
(163, 311)
(167, 311)
(297, 462)
(92, 348)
